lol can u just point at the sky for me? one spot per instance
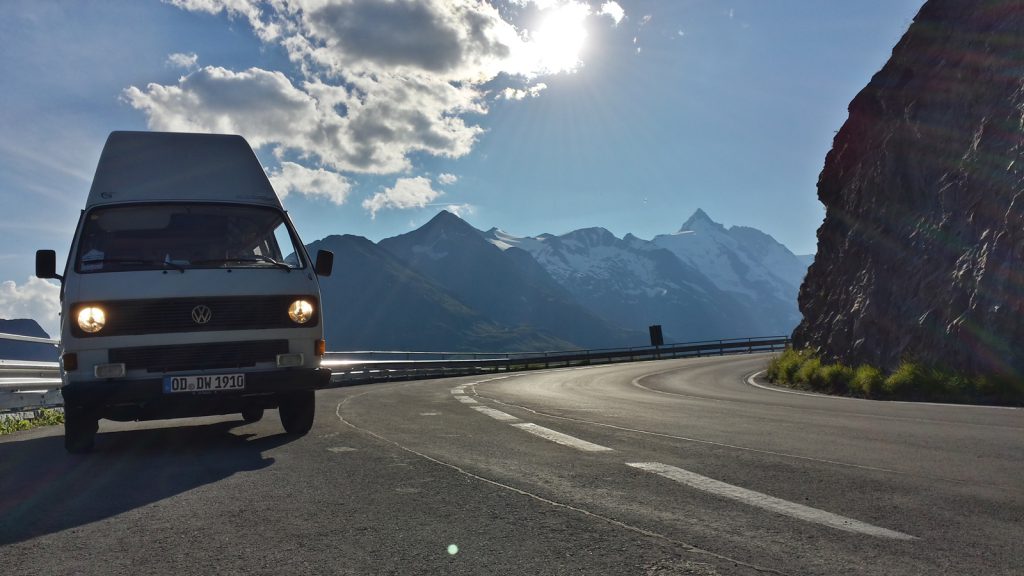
(534, 116)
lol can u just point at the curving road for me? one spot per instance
(655, 468)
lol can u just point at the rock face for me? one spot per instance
(921, 254)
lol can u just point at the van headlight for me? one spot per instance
(301, 311)
(92, 319)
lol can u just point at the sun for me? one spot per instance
(560, 37)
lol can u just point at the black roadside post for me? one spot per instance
(657, 339)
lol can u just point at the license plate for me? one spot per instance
(204, 383)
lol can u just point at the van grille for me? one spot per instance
(199, 356)
(134, 317)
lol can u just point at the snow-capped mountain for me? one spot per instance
(508, 285)
(705, 281)
(449, 286)
(738, 259)
(743, 261)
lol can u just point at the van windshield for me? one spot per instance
(185, 236)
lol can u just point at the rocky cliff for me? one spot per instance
(921, 254)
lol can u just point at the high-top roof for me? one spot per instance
(170, 166)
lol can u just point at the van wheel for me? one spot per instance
(79, 430)
(297, 409)
(252, 414)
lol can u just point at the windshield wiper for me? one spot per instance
(137, 261)
(247, 259)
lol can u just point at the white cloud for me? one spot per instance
(36, 299)
(262, 105)
(248, 9)
(407, 193)
(180, 60)
(375, 83)
(614, 10)
(461, 210)
(385, 119)
(518, 94)
(447, 179)
(292, 177)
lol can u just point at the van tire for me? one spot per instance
(79, 430)
(252, 414)
(297, 410)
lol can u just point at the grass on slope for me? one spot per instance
(802, 370)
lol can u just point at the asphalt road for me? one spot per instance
(656, 468)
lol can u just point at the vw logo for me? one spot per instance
(201, 314)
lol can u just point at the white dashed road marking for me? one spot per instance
(496, 414)
(560, 438)
(767, 502)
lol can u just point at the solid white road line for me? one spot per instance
(496, 414)
(766, 502)
(560, 438)
(465, 400)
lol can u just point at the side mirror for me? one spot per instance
(324, 262)
(46, 264)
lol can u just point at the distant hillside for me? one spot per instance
(15, 350)
(373, 301)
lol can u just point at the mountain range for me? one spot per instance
(447, 285)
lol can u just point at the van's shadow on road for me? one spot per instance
(45, 490)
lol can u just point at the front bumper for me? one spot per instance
(144, 399)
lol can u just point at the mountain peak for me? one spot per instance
(445, 223)
(700, 220)
(446, 217)
(594, 236)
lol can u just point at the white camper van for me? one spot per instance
(187, 291)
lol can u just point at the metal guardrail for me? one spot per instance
(28, 385)
(398, 365)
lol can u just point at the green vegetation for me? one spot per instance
(802, 370)
(45, 417)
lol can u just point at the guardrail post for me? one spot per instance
(721, 348)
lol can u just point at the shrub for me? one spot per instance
(809, 374)
(903, 381)
(836, 378)
(783, 368)
(910, 381)
(867, 381)
(999, 389)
